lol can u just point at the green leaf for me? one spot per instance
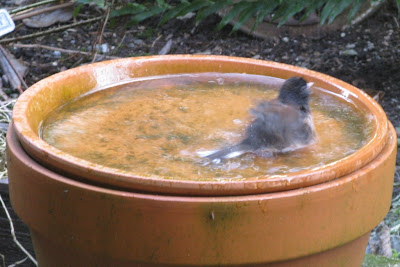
(266, 8)
(99, 3)
(398, 8)
(235, 11)
(77, 10)
(312, 6)
(145, 15)
(194, 6)
(213, 9)
(356, 6)
(282, 7)
(376, 260)
(338, 10)
(162, 4)
(289, 9)
(129, 9)
(245, 15)
(329, 6)
(173, 12)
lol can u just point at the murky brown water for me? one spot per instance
(154, 127)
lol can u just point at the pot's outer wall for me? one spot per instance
(87, 221)
(40, 99)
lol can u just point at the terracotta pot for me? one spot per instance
(34, 105)
(310, 27)
(82, 214)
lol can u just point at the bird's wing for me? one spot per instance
(277, 125)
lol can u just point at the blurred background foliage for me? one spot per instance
(236, 11)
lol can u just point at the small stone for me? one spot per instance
(285, 39)
(138, 42)
(348, 52)
(342, 34)
(103, 48)
(316, 53)
(54, 63)
(349, 46)
(385, 43)
(256, 57)
(304, 65)
(57, 54)
(370, 45)
(206, 52)
(267, 51)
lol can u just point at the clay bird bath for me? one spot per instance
(84, 214)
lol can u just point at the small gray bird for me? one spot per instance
(280, 125)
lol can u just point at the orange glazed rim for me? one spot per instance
(46, 95)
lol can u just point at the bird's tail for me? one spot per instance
(226, 153)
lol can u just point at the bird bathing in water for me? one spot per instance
(279, 125)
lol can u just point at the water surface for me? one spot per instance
(154, 127)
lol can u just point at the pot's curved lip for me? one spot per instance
(79, 169)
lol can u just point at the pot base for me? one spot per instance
(50, 254)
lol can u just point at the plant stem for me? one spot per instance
(13, 233)
(17, 10)
(14, 69)
(62, 50)
(43, 10)
(37, 34)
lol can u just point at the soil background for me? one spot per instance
(366, 55)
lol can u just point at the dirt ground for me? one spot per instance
(366, 55)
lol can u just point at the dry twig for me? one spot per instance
(166, 48)
(20, 9)
(384, 239)
(14, 69)
(100, 38)
(37, 34)
(4, 261)
(13, 233)
(62, 50)
(43, 10)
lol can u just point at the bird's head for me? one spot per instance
(295, 91)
